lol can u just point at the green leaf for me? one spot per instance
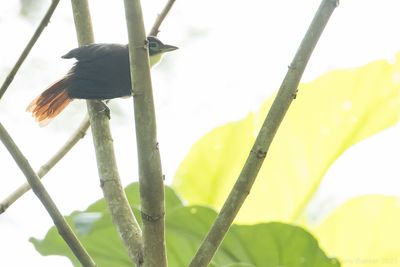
(268, 244)
(329, 115)
(364, 232)
(97, 233)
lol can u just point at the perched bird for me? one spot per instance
(100, 72)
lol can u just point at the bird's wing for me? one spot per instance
(90, 89)
(94, 51)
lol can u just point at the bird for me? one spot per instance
(101, 72)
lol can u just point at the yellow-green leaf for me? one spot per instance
(364, 232)
(329, 114)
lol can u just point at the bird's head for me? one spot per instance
(157, 49)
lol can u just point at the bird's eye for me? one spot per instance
(153, 45)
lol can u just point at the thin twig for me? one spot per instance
(150, 174)
(62, 226)
(285, 96)
(28, 47)
(79, 133)
(160, 18)
(114, 194)
(45, 168)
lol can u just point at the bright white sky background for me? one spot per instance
(233, 54)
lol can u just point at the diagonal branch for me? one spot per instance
(114, 194)
(79, 133)
(150, 174)
(28, 47)
(62, 226)
(286, 94)
(160, 18)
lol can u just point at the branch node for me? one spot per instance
(104, 181)
(294, 95)
(136, 93)
(81, 133)
(151, 218)
(260, 154)
(104, 109)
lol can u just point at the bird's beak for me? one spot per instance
(168, 48)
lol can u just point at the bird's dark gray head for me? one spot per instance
(158, 47)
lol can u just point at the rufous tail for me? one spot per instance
(51, 102)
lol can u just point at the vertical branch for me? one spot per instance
(83, 22)
(28, 47)
(121, 213)
(62, 226)
(286, 94)
(150, 174)
(75, 137)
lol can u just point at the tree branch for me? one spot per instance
(286, 94)
(45, 168)
(114, 194)
(37, 187)
(79, 133)
(28, 47)
(160, 18)
(150, 174)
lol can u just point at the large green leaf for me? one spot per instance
(364, 232)
(268, 244)
(265, 244)
(97, 233)
(330, 114)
